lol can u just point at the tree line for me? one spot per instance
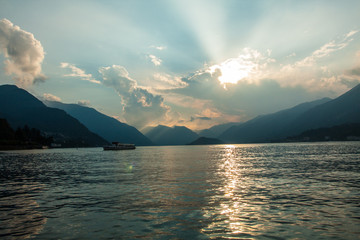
(22, 137)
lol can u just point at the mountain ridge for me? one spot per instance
(105, 126)
(289, 122)
(177, 135)
(216, 130)
(265, 128)
(21, 108)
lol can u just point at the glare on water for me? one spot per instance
(259, 191)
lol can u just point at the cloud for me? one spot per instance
(254, 67)
(240, 101)
(247, 66)
(155, 60)
(351, 33)
(200, 118)
(84, 103)
(50, 97)
(291, 55)
(314, 72)
(140, 107)
(162, 81)
(188, 104)
(254, 83)
(77, 72)
(323, 52)
(210, 113)
(24, 54)
(160, 48)
(354, 72)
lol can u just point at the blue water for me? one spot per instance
(260, 191)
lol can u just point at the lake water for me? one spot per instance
(259, 191)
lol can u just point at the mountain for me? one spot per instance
(146, 129)
(317, 114)
(344, 132)
(22, 138)
(107, 127)
(163, 135)
(341, 110)
(206, 141)
(266, 128)
(216, 130)
(20, 108)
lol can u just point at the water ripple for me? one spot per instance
(260, 191)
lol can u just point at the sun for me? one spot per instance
(232, 71)
(236, 69)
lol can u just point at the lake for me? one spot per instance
(247, 191)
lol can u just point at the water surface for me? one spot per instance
(259, 191)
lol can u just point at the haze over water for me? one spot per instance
(260, 191)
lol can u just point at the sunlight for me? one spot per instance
(234, 198)
(233, 70)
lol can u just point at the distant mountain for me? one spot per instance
(318, 114)
(216, 130)
(342, 110)
(163, 135)
(206, 141)
(266, 128)
(107, 127)
(20, 108)
(344, 132)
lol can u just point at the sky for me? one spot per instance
(193, 63)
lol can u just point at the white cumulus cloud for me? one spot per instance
(23, 54)
(140, 107)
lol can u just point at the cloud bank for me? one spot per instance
(24, 54)
(237, 89)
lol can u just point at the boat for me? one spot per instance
(120, 146)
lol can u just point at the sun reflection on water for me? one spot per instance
(233, 210)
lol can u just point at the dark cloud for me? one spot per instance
(24, 54)
(244, 98)
(204, 118)
(351, 77)
(200, 118)
(354, 72)
(192, 119)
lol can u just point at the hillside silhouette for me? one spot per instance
(20, 108)
(312, 115)
(177, 135)
(107, 127)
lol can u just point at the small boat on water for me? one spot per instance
(120, 146)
